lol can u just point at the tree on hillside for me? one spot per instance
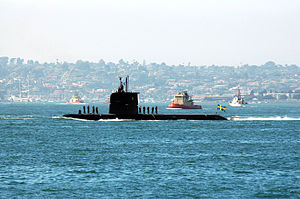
(20, 61)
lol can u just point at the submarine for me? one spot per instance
(124, 105)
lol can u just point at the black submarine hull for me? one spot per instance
(145, 117)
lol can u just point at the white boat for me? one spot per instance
(237, 100)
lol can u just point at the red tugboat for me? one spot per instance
(183, 101)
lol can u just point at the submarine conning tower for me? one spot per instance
(123, 102)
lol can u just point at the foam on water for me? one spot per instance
(16, 118)
(276, 118)
(101, 120)
(58, 117)
(115, 120)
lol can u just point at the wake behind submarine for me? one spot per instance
(124, 105)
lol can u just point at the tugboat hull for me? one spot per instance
(75, 102)
(178, 106)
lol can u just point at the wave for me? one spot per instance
(17, 118)
(101, 120)
(115, 120)
(277, 118)
(58, 117)
(68, 118)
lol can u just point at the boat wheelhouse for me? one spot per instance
(75, 100)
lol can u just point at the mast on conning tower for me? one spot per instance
(126, 83)
(121, 87)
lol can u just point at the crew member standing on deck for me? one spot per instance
(152, 109)
(143, 109)
(148, 109)
(155, 109)
(140, 109)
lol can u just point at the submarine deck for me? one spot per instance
(146, 116)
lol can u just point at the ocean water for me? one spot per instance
(256, 154)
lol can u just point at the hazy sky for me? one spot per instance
(203, 32)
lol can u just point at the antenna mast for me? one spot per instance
(126, 83)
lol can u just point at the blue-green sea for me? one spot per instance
(256, 154)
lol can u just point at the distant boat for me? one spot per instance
(13, 98)
(183, 101)
(106, 100)
(75, 100)
(237, 100)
